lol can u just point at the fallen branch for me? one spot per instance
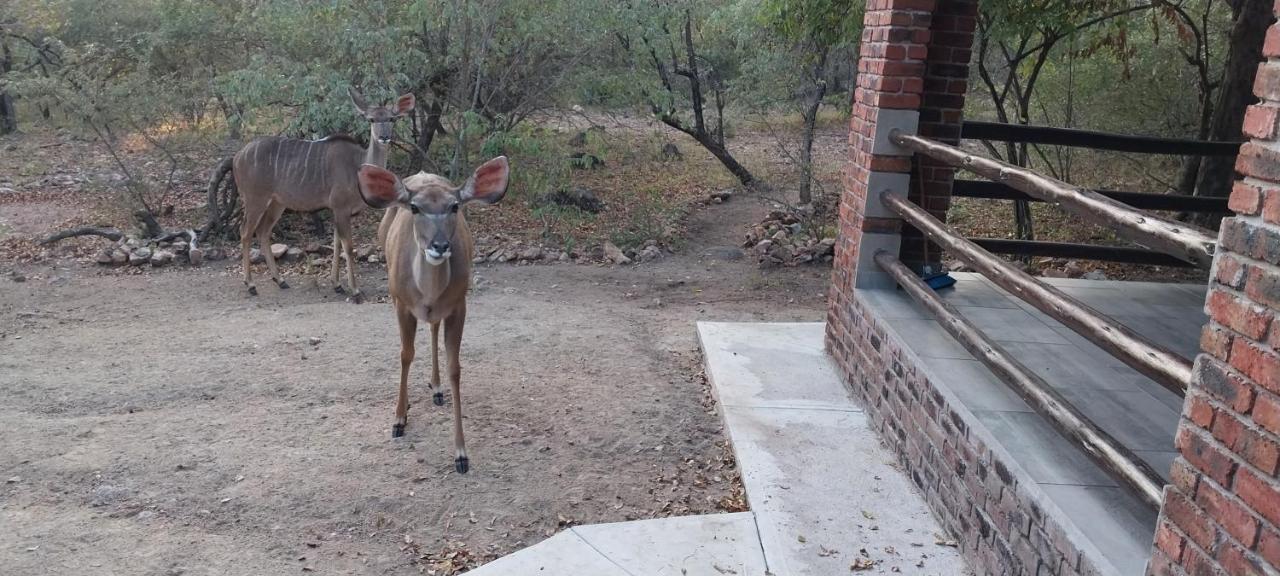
(108, 233)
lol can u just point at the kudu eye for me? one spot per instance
(414, 208)
(453, 208)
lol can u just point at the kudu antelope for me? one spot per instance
(274, 174)
(429, 250)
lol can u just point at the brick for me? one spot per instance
(1197, 564)
(1271, 45)
(1269, 546)
(1260, 242)
(1198, 411)
(1263, 286)
(1256, 159)
(1238, 562)
(1228, 513)
(1237, 314)
(1266, 412)
(1212, 460)
(1230, 271)
(1260, 122)
(1266, 84)
(1245, 199)
(1183, 476)
(1216, 341)
(1260, 365)
(1168, 541)
(1248, 441)
(1260, 494)
(1189, 518)
(1214, 378)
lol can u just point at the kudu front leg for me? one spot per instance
(343, 223)
(437, 395)
(408, 333)
(452, 345)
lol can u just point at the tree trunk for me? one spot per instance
(1247, 33)
(722, 154)
(8, 113)
(812, 104)
(427, 134)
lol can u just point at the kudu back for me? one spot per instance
(274, 174)
(429, 250)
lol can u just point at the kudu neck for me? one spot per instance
(376, 154)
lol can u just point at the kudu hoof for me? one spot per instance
(282, 284)
(253, 290)
(461, 464)
(438, 398)
(397, 430)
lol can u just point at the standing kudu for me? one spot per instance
(274, 174)
(429, 250)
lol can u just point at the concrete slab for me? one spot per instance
(822, 487)
(565, 554)
(711, 545)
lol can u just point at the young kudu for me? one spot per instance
(275, 174)
(429, 250)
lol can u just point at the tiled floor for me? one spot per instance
(1138, 412)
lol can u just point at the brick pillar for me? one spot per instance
(941, 110)
(911, 72)
(1221, 514)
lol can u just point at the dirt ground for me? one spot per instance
(168, 423)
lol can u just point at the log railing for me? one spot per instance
(1177, 239)
(1109, 453)
(1160, 364)
(1000, 132)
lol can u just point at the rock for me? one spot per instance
(723, 195)
(1095, 275)
(14, 479)
(316, 247)
(763, 247)
(278, 251)
(779, 236)
(140, 256)
(614, 254)
(364, 252)
(214, 254)
(650, 253)
(1074, 269)
(1053, 273)
(179, 247)
(374, 259)
(564, 257)
(255, 256)
(293, 254)
(119, 257)
(671, 152)
(104, 257)
(576, 197)
(6, 190)
(161, 258)
(195, 257)
(531, 253)
(314, 340)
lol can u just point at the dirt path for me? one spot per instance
(167, 423)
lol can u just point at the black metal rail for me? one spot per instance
(999, 132)
(1144, 201)
(1123, 254)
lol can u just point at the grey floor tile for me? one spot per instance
(969, 291)
(1161, 460)
(974, 384)
(1011, 325)
(927, 338)
(1179, 333)
(1113, 519)
(892, 304)
(1133, 417)
(1043, 452)
(1164, 395)
(1072, 366)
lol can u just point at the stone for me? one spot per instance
(531, 253)
(374, 259)
(278, 250)
(214, 254)
(6, 190)
(650, 253)
(1053, 273)
(779, 236)
(195, 257)
(293, 254)
(763, 246)
(1074, 269)
(614, 254)
(179, 247)
(119, 257)
(104, 257)
(140, 256)
(364, 252)
(722, 195)
(255, 256)
(17, 277)
(316, 247)
(161, 258)
(1095, 275)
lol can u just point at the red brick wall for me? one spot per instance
(1221, 514)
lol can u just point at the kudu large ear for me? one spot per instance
(380, 188)
(357, 100)
(404, 104)
(489, 182)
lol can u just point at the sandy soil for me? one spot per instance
(168, 423)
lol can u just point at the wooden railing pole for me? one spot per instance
(1176, 239)
(1109, 453)
(1164, 366)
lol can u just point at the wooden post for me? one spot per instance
(1177, 239)
(1046, 401)
(1164, 366)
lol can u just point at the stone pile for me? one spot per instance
(780, 240)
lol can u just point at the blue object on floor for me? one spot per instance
(939, 281)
